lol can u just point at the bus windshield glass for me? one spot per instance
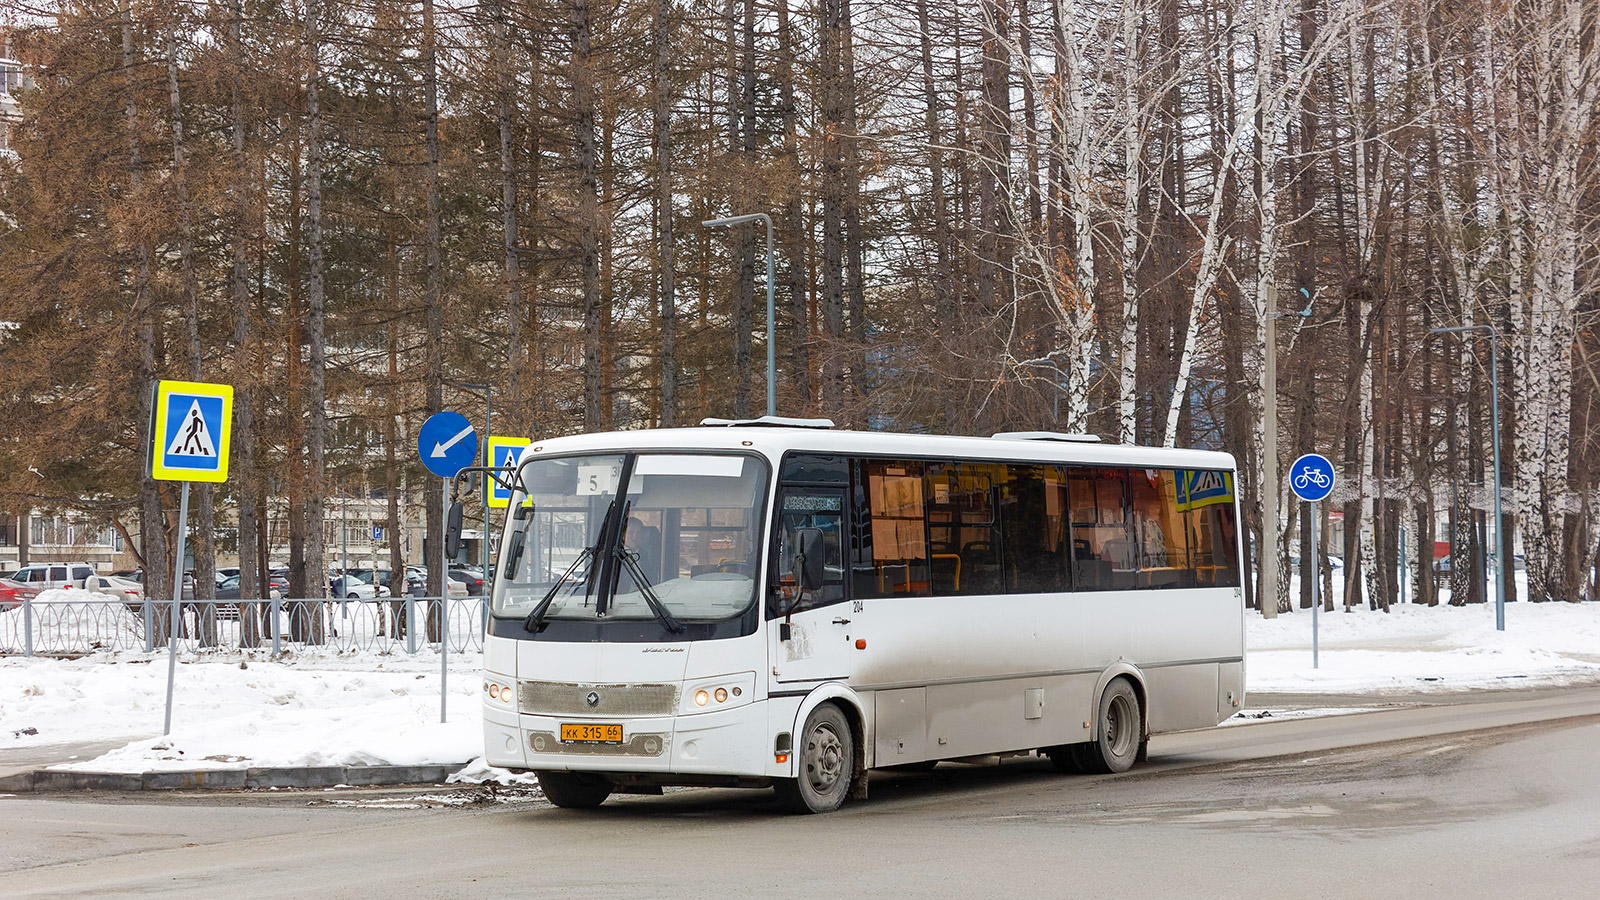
(626, 536)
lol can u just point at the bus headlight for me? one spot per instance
(721, 692)
(500, 692)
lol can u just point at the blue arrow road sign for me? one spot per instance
(447, 444)
(1311, 477)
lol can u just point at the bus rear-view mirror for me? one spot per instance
(452, 531)
(808, 558)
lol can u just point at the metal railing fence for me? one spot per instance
(389, 625)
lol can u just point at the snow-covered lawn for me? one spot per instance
(1414, 649)
(316, 710)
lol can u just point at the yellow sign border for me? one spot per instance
(492, 444)
(158, 431)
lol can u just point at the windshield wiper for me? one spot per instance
(536, 617)
(631, 560)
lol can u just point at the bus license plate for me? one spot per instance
(591, 734)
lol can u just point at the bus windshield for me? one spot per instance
(630, 536)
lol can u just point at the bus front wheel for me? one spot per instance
(825, 757)
(574, 790)
(1119, 739)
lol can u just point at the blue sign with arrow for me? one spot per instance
(1311, 477)
(447, 444)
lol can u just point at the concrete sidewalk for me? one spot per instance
(36, 769)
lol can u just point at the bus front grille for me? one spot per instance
(552, 698)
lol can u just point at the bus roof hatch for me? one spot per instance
(770, 422)
(1046, 436)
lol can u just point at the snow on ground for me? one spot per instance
(1424, 649)
(305, 712)
(241, 710)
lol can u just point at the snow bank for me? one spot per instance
(1421, 648)
(241, 710)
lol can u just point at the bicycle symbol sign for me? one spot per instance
(1311, 477)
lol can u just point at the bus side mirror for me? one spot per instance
(808, 558)
(452, 532)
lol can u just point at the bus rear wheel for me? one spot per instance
(826, 759)
(574, 790)
(1119, 739)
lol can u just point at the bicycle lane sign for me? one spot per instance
(1311, 477)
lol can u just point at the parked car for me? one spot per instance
(417, 583)
(55, 575)
(12, 593)
(129, 592)
(229, 589)
(23, 588)
(473, 579)
(350, 587)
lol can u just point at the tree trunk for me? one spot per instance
(152, 515)
(666, 278)
(244, 363)
(316, 343)
(433, 493)
(583, 92)
(205, 551)
(792, 228)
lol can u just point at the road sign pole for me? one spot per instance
(1316, 583)
(483, 488)
(1311, 478)
(444, 611)
(177, 604)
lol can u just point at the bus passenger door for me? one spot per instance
(809, 631)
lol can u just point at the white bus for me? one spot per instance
(765, 604)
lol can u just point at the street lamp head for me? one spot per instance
(1460, 328)
(733, 220)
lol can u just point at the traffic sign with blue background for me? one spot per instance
(191, 431)
(1311, 477)
(503, 451)
(447, 444)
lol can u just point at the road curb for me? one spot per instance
(55, 780)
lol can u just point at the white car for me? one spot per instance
(349, 587)
(55, 575)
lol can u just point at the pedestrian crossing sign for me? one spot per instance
(503, 451)
(192, 424)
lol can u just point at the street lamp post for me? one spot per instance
(772, 344)
(1494, 413)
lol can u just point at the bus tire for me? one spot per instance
(1120, 733)
(574, 790)
(825, 758)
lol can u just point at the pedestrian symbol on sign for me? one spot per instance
(193, 438)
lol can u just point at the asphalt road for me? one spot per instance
(1499, 798)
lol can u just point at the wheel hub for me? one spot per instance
(824, 759)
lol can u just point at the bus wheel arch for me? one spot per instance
(850, 709)
(1112, 748)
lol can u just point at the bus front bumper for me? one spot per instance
(732, 742)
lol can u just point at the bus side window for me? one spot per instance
(1207, 500)
(1159, 531)
(1103, 553)
(892, 555)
